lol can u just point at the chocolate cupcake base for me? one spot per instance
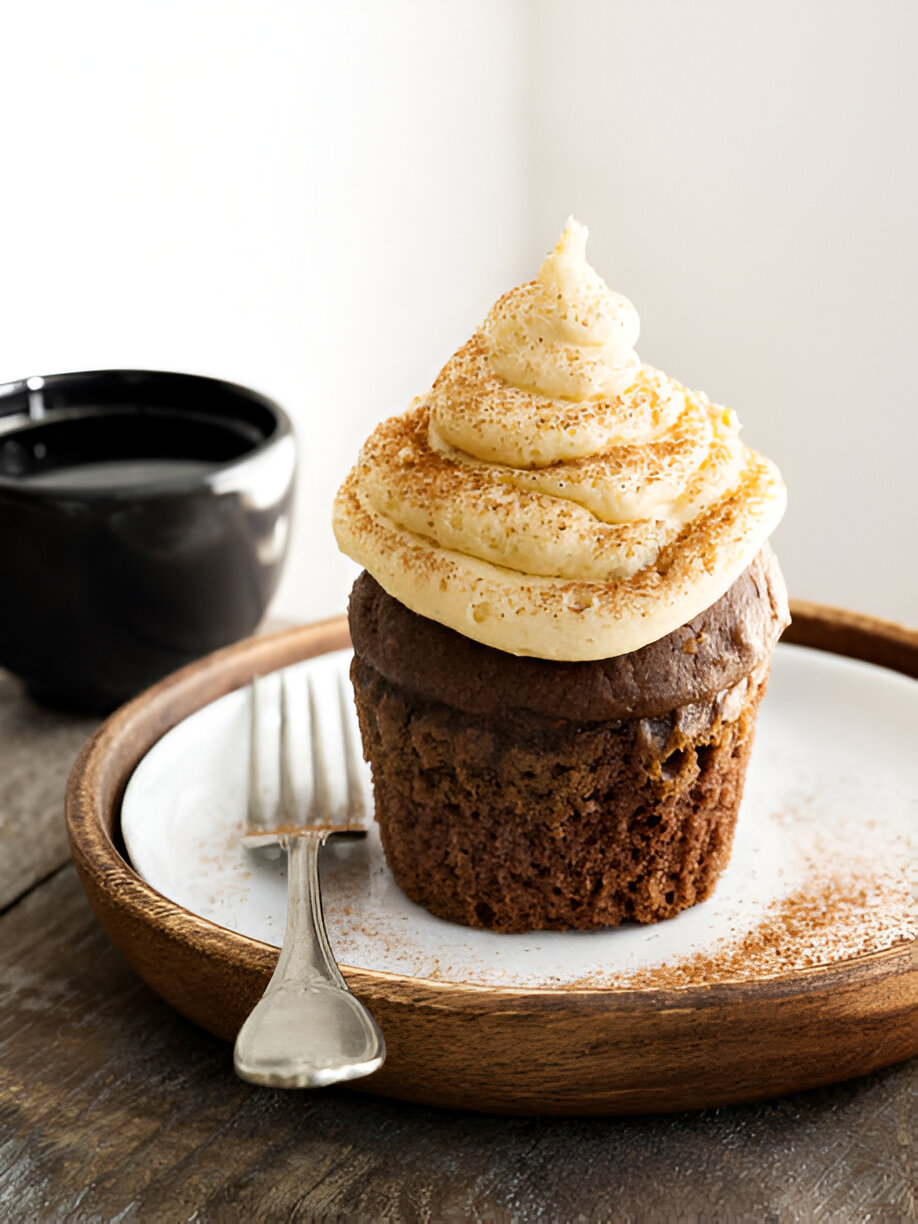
(523, 794)
(535, 824)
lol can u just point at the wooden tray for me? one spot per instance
(572, 1050)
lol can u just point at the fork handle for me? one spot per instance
(306, 954)
(308, 1029)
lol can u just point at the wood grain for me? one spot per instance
(32, 829)
(855, 635)
(571, 1051)
(114, 1107)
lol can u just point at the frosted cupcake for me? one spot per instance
(566, 621)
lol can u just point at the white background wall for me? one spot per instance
(322, 200)
(750, 173)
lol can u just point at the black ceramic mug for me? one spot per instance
(144, 520)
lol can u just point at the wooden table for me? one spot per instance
(114, 1107)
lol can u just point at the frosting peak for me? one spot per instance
(551, 495)
(565, 335)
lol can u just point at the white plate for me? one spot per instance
(819, 871)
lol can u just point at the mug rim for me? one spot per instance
(14, 407)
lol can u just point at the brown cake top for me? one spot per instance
(695, 662)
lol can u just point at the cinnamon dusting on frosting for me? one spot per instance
(551, 495)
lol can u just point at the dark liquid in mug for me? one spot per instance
(115, 473)
(120, 448)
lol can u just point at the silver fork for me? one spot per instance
(308, 1029)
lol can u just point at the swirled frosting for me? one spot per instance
(551, 495)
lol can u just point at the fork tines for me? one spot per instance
(347, 816)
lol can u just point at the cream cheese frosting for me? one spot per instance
(551, 495)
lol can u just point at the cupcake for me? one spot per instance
(565, 624)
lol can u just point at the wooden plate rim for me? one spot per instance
(93, 803)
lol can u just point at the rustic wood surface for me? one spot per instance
(33, 838)
(114, 1107)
